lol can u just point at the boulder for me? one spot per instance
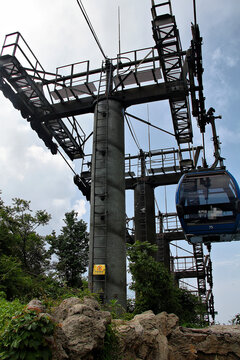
(215, 342)
(81, 329)
(167, 322)
(143, 337)
(36, 305)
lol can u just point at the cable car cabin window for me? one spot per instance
(208, 199)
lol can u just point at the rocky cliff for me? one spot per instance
(82, 328)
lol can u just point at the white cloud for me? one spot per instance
(80, 207)
(43, 156)
(232, 61)
(227, 263)
(217, 54)
(60, 203)
(229, 136)
(220, 57)
(3, 154)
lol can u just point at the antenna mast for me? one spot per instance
(119, 32)
(195, 12)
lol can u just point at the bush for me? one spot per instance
(25, 337)
(13, 280)
(236, 320)
(53, 293)
(155, 287)
(110, 349)
(7, 310)
(190, 310)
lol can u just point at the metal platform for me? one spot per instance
(23, 83)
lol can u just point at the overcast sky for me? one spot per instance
(58, 35)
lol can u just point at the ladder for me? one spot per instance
(100, 199)
(200, 268)
(201, 278)
(166, 36)
(142, 213)
(142, 208)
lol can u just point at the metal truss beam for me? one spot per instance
(154, 180)
(126, 97)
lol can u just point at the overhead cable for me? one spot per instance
(148, 123)
(156, 203)
(179, 247)
(80, 4)
(67, 162)
(132, 132)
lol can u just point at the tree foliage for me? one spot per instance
(155, 287)
(236, 320)
(151, 281)
(18, 226)
(25, 337)
(71, 249)
(14, 282)
(23, 255)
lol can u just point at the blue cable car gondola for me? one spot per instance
(208, 206)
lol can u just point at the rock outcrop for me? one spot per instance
(158, 337)
(82, 327)
(214, 343)
(145, 337)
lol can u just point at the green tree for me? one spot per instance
(153, 284)
(6, 236)
(13, 280)
(23, 256)
(155, 287)
(27, 245)
(71, 249)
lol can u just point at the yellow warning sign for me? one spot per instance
(99, 269)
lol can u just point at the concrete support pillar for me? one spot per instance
(107, 222)
(163, 253)
(145, 229)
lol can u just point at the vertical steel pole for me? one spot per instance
(107, 223)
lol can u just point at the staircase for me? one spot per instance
(166, 36)
(23, 85)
